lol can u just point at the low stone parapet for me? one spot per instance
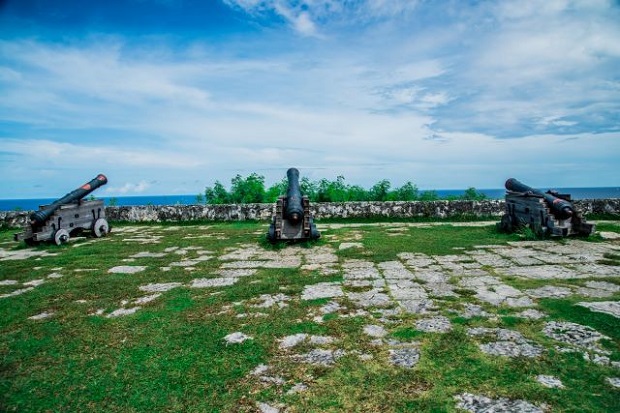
(320, 210)
(162, 213)
(13, 219)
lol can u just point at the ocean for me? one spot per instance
(33, 204)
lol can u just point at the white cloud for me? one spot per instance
(246, 5)
(556, 120)
(40, 152)
(98, 71)
(435, 99)
(547, 8)
(374, 9)
(297, 15)
(527, 63)
(300, 20)
(305, 16)
(129, 188)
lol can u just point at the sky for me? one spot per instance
(169, 96)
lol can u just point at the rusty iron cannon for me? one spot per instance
(546, 213)
(292, 220)
(68, 216)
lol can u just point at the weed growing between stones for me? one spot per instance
(528, 234)
(610, 259)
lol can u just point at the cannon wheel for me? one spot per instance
(538, 229)
(61, 236)
(101, 228)
(271, 234)
(314, 232)
(507, 223)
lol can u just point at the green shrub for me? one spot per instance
(251, 189)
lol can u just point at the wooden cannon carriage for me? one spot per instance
(292, 220)
(545, 213)
(67, 217)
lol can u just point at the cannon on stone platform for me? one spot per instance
(546, 213)
(67, 216)
(292, 220)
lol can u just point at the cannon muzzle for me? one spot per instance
(292, 220)
(39, 217)
(561, 207)
(294, 211)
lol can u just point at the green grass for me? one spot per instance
(170, 355)
(610, 259)
(432, 240)
(567, 310)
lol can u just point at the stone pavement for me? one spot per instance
(427, 287)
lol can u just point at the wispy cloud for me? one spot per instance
(58, 154)
(129, 188)
(317, 17)
(63, 75)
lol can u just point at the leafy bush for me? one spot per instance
(278, 189)
(472, 195)
(252, 190)
(380, 191)
(248, 190)
(200, 199)
(217, 194)
(429, 196)
(407, 192)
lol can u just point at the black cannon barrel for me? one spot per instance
(39, 217)
(562, 208)
(294, 211)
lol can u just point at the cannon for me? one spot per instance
(292, 220)
(67, 216)
(546, 213)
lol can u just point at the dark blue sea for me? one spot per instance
(33, 204)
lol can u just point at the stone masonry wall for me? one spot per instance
(263, 212)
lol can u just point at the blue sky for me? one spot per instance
(168, 96)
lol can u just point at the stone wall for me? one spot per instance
(263, 212)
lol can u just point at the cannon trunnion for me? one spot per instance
(292, 220)
(67, 216)
(546, 213)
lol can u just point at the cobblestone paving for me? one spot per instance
(550, 381)
(429, 288)
(508, 343)
(478, 404)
